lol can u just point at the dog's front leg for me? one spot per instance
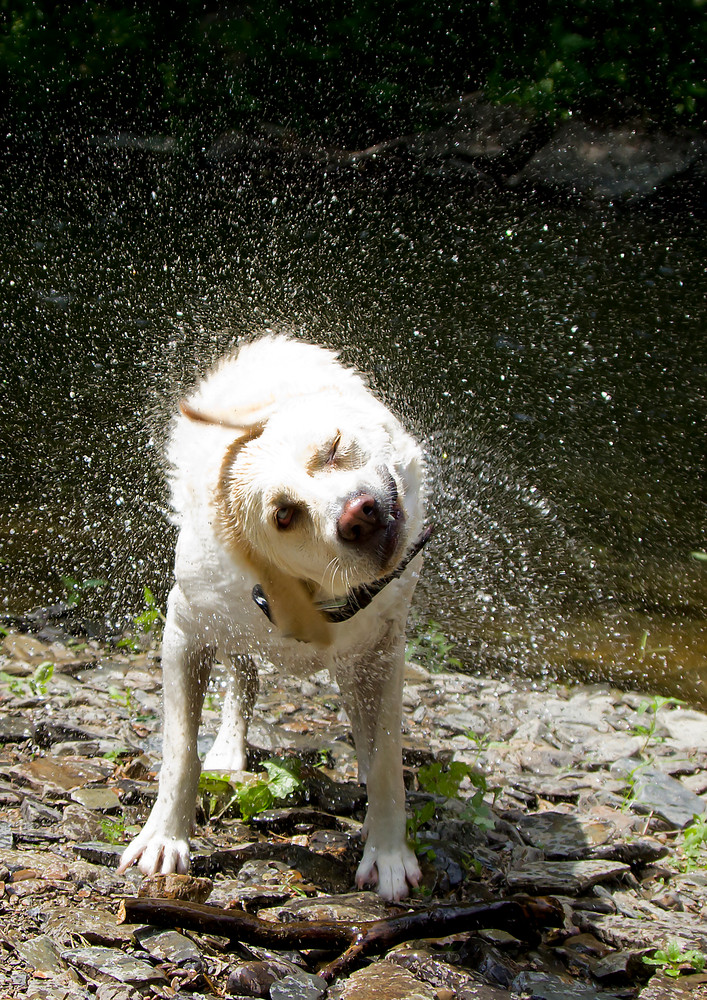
(373, 698)
(163, 843)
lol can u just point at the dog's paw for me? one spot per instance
(392, 872)
(225, 758)
(156, 854)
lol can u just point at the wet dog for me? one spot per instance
(299, 500)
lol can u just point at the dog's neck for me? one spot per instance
(340, 609)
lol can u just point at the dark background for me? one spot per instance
(342, 73)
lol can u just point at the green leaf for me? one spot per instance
(254, 799)
(282, 780)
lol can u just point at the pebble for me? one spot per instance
(298, 986)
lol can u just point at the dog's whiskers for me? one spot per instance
(330, 570)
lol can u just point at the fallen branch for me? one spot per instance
(521, 916)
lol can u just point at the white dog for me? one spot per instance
(299, 499)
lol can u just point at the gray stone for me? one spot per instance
(255, 979)
(114, 964)
(91, 923)
(431, 967)
(103, 799)
(542, 986)
(354, 906)
(169, 946)
(14, 728)
(651, 790)
(80, 824)
(561, 834)
(41, 953)
(687, 728)
(298, 986)
(564, 877)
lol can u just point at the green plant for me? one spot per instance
(647, 650)
(148, 623)
(415, 821)
(36, 685)
(430, 647)
(694, 843)
(653, 707)
(482, 741)
(672, 959)
(123, 696)
(445, 780)
(39, 681)
(630, 791)
(151, 617)
(219, 794)
(113, 830)
(76, 589)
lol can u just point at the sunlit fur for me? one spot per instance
(283, 426)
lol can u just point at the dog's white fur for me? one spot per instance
(282, 425)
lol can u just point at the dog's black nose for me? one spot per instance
(360, 518)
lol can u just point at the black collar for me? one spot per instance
(340, 609)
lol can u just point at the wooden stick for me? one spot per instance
(522, 916)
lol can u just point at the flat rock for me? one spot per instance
(94, 924)
(564, 877)
(41, 954)
(622, 931)
(103, 798)
(383, 981)
(654, 791)
(52, 775)
(298, 986)
(26, 648)
(14, 728)
(687, 728)
(543, 986)
(431, 967)
(169, 946)
(354, 906)
(561, 834)
(114, 964)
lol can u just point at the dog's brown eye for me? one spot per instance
(284, 516)
(332, 451)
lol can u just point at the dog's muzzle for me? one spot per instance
(340, 609)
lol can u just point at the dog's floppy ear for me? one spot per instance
(238, 419)
(290, 602)
(291, 607)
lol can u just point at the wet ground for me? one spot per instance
(583, 794)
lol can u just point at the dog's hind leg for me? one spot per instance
(163, 843)
(228, 752)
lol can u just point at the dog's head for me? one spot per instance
(319, 493)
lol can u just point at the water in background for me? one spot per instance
(553, 360)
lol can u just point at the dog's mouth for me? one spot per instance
(390, 538)
(340, 609)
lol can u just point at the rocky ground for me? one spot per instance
(585, 795)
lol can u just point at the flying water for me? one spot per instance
(549, 358)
